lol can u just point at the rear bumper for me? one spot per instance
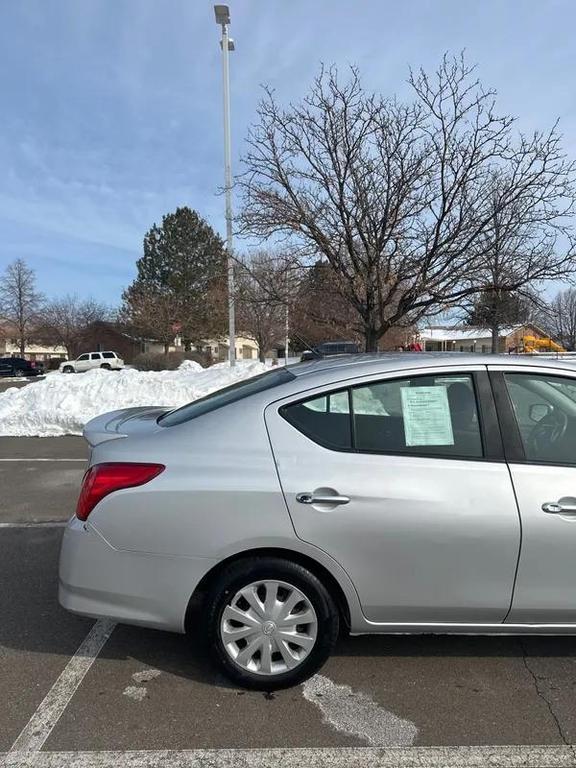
(131, 587)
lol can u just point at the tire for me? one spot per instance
(268, 669)
(105, 366)
(68, 369)
(19, 373)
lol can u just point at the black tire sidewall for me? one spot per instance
(243, 573)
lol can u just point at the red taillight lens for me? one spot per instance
(102, 479)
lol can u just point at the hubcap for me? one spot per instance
(269, 627)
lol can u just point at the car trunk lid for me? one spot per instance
(121, 423)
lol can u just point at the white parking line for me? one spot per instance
(42, 722)
(353, 757)
(36, 459)
(40, 524)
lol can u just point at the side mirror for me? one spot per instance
(539, 411)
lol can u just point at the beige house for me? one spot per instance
(105, 335)
(246, 348)
(34, 350)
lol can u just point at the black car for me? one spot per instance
(329, 348)
(18, 366)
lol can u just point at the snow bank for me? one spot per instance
(62, 403)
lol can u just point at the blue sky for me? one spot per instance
(111, 109)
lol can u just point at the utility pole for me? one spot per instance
(222, 13)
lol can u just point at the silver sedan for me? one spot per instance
(368, 494)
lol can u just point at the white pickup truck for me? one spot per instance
(107, 360)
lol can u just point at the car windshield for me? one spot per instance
(226, 396)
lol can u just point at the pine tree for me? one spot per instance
(184, 266)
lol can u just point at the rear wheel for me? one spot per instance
(271, 623)
(19, 373)
(105, 366)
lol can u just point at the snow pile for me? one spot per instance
(62, 403)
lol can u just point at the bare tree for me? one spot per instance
(559, 318)
(261, 299)
(66, 320)
(20, 302)
(320, 313)
(399, 198)
(531, 238)
(151, 314)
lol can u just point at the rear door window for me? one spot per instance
(423, 415)
(431, 415)
(95, 356)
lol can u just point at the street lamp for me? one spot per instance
(222, 14)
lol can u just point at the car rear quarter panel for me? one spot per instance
(219, 492)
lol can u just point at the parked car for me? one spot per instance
(19, 367)
(107, 360)
(379, 495)
(330, 348)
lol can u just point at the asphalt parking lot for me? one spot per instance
(84, 693)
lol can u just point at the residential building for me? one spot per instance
(472, 339)
(35, 350)
(246, 348)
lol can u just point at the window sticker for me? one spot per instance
(426, 415)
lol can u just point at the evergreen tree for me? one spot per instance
(183, 267)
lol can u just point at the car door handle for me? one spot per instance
(311, 498)
(559, 508)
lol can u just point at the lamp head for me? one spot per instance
(222, 14)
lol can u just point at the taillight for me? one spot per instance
(102, 479)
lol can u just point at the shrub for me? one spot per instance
(156, 361)
(53, 363)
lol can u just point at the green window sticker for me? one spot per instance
(426, 414)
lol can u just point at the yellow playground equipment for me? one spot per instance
(531, 344)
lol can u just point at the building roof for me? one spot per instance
(468, 333)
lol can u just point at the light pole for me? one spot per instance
(222, 13)
(286, 333)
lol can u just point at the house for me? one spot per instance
(246, 348)
(472, 339)
(35, 350)
(102, 335)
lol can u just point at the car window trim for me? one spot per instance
(490, 430)
(510, 431)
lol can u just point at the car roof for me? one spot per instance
(365, 364)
